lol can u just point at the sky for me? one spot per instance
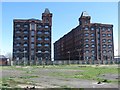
(65, 18)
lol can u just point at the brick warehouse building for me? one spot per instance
(32, 39)
(88, 41)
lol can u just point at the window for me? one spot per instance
(32, 39)
(87, 57)
(18, 44)
(17, 31)
(86, 28)
(17, 25)
(39, 32)
(87, 51)
(93, 45)
(25, 26)
(17, 51)
(98, 40)
(46, 26)
(86, 34)
(25, 44)
(103, 29)
(92, 28)
(32, 45)
(46, 51)
(92, 40)
(25, 38)
(39, 45)
(109, 40)
(46, 32)
(46, 38)
(108, 35)
(32, 52)
(110, 51)
(98, 35)
(86, 22)
(86, 40)
(39, 38)
(86, 45)
(104, 51)
(39, 51)
(18, 38)
(32, 33)
(92, 34)
(104, 46)
(104, 40)
(39, 26)
(98, 30)
(109, 29)
(103, 35)
(25, 32)
(46, 45)
(32, 26)
(93, 51)
(109, 46)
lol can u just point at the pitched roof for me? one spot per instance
(2, 57)
(47, 11)
(84, 13)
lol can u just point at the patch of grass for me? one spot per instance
(89, 73)
(65, 86)
(27, 77)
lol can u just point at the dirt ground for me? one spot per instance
(46, 78)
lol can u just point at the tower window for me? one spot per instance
(17, 25)
(92, 28)
(104, 40)
(25, 26)
(39, 45)
(39, 26)
(18, 44)
(109, 35)
(39, 38)
(25, 38)
(17, 31)
(32, 26)
(32, 39)
(86, 34)
(109, 46)
(104, 51)
(93, 45)
(86, 40)
(86, 45)
(92, 34)
(25, 32)
(86, 28)
(109, 40)
(46, 32)
(103, 35)
(46, 38)
(103, 29)
(46, 45)
(32, 33)
(39, 32)
(92, 40)
(87, 51)
(32, 45)
(25, 44)
(18, 38)
(46, 26)
(104, 46)
(109, 29)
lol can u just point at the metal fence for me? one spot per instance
(64, 62)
